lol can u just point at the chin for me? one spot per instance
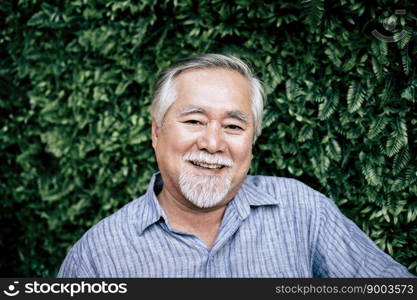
(204, 190)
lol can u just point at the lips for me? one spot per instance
(206, 165)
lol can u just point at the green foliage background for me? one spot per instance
(76, 80)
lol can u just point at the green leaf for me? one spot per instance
(334, 150)
(410, 92)
(306, 133)
(403, 37)
(378, 69)
(328, 107)
(314, 11)
(356, 95)
(406, 62)
(401, 160)
(377, 126)
(398, 138)
(371, 175)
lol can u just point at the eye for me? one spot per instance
(234, 127)
(193, 122)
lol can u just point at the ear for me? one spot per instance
(155, 133)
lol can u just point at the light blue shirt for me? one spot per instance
(274, 227)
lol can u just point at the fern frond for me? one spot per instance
(383, 49)
(377, 126)
(401, 129)
(391, 204)
(327, 108)
(378, 70)
(353, 134)
(411, 175)
(371, 175)
(334, 150)
(393, 146)
(315, 10)
(386, 94)
(292, 89)
(406, 62)
(380, 51)
(306, 133)
(401, 160)
(319, 99)
(410, 92)
(351, 91)
(340, 130)
(355, 97)
(399, 183)
(403, 37)
(398, 138)
(324, 163)
(412, 212)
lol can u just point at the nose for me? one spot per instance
(212, 139)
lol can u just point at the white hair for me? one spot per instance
(165, 93)
(204, 190)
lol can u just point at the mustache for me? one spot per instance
(204, 157)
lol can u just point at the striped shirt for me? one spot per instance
(273, 227)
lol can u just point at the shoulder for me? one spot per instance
(112, 228)
(288, 192)
(274, 182)
(105, 240)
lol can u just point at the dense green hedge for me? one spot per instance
(75, 83)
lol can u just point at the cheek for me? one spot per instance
(243, 154)
(175, 140)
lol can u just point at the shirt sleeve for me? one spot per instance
(74, 266)
(68, 268)
(342, 250)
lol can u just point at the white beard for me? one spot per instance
(202, 190)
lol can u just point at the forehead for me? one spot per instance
(213, 89)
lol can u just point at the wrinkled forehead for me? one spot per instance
(213, 89)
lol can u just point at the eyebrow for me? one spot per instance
(192, 110)
(235, 114)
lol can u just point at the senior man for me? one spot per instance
(202, 215)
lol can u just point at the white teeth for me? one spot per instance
(208, 166)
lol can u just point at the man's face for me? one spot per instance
(204, 146)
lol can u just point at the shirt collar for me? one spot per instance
(152, 210)
(250, 194)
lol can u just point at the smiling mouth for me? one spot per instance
(206, 165)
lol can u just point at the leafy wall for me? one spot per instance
(75, 84)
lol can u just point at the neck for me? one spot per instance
(185, 216)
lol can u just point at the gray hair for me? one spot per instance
(165, 94)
